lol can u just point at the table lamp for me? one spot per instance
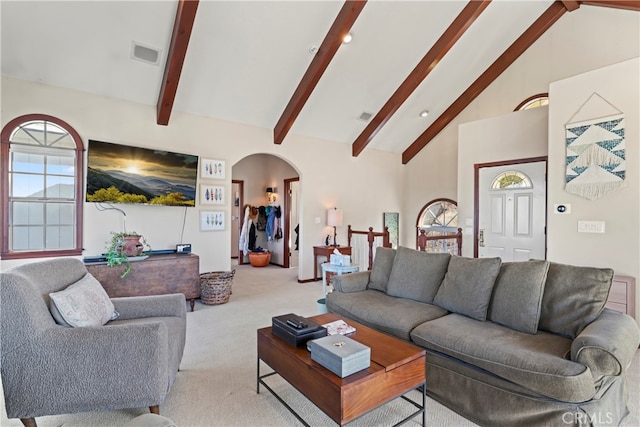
(334, 219)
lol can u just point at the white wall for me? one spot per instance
(586, 39)
(619, 246)
(363, 187)
(518, 135)
(525, 134)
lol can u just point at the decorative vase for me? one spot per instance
(132, 246)
(259, 259)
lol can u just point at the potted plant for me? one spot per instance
(122, 246)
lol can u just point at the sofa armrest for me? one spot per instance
(170, 305)
(607, 345)
(352, 282)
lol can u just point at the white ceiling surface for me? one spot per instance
(246, 58)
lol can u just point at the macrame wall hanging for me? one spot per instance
(595, 149)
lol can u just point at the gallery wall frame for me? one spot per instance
(211, 220)
(212, 194)
(212, 168)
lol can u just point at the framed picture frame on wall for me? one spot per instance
(212, 220)
(212, 169)
(391, 220)
(212, 194)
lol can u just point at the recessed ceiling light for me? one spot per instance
(347, 39)
(424, 113)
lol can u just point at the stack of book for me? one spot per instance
(339, 327)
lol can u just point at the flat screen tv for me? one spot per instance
(124, 174)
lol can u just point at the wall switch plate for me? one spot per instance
(317, 220)
(590, 226)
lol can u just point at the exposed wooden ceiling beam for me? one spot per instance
(531, 34)
(571, 5)
(458, 27)
(330, 45)
(185, 16)
(618, 4)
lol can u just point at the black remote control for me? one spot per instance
(297, 325)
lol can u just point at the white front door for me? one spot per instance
(512, 206)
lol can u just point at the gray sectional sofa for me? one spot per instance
(519, 343)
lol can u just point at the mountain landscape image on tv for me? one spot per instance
(125, 174)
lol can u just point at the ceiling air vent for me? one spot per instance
(365, 117)
(145, 54)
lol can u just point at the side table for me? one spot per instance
(338, 269)
(326, 251)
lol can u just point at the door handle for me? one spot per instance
(481, 238)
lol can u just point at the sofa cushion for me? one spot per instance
(466, 288)
(517, 295)
(573, 297)
(84, 303)
(381, 269)
(537, 362)
(417, 275)
(394, 316)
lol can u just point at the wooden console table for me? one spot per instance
(156, 275)
(326, 251)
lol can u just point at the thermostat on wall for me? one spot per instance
(183, 248)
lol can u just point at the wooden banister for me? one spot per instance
(371, 236)
(457, 236)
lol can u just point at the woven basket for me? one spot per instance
(215, 287)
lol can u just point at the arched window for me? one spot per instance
(439, 217)
(511, 179)
(534, 101)
(41, 187)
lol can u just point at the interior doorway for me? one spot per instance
(292, 223)
(237, 189)
(269, 195)
(510, 209)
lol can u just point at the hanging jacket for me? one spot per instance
(270, 227)
(261, 223)
(243, 243)
(252, 236)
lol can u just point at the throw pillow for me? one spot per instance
(417, 275)
(84, 303)
(517, 295)
(381, 269)
(573, 297)
(466, 288)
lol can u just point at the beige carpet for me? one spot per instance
(216, 385)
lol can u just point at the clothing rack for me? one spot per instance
(254, 222)
(371, 236)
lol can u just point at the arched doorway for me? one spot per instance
(267, 185)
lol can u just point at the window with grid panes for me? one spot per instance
(42, 188)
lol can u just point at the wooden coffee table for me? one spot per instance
(397, 367)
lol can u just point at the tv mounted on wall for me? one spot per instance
(124, 174)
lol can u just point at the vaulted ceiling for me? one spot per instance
(282, 64)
